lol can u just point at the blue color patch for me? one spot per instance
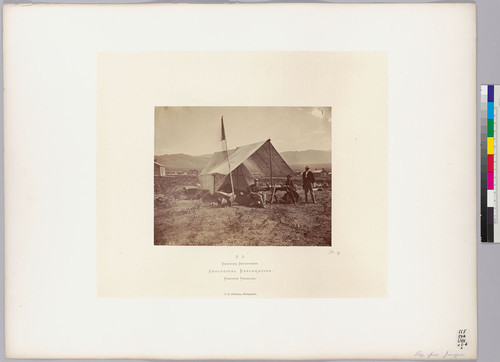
(491, 111)
(491, 93)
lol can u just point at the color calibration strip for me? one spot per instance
(489, 102)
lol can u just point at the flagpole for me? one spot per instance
(224, 142)
(271, 170)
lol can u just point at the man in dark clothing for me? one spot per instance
(307, 183)
(291, 193)
(289, 182)
(256, 194)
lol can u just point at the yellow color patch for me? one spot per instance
(491, 146)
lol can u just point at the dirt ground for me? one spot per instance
(180, 220)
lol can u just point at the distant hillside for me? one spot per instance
(313, 166)
(307, 157)
(181, 161)
(296, 159)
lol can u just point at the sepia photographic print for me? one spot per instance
(243, 176)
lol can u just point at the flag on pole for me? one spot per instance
(224, 147)
(223, 135)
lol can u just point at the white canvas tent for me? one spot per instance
(256, 160)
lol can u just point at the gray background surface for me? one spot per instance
(488, 72)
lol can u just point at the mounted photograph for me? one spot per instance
(243, 176)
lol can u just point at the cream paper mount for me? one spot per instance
(129, 264)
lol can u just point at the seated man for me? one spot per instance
(291, 191)
(256, 194)
(289, 183)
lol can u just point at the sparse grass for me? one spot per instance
(181, 221)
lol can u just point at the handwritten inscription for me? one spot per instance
(462, 338)
(421, 354)
(461, 343)
(453, 355)
(436, 355)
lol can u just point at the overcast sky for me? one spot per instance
(197, 130)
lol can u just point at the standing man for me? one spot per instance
(307, 183)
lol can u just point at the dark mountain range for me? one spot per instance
(181, 161)
(296, 159)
